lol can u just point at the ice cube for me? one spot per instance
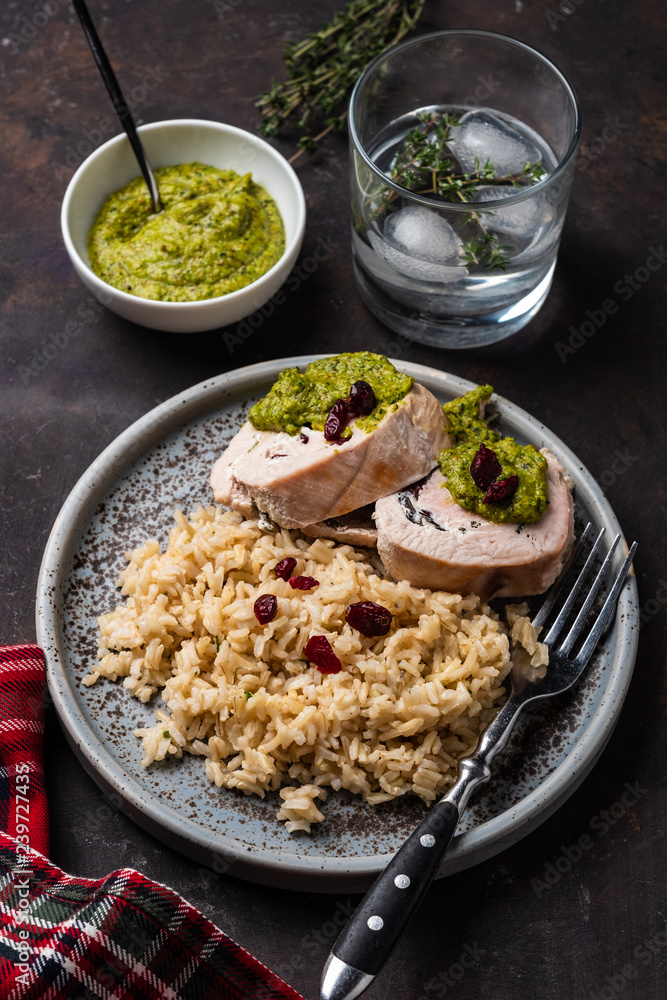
(522, 219)
(414, 267)
(424, 233)
(421, 244)
(485, 137)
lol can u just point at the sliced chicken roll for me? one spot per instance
(300, 480)
(426, 538)
(355, 528)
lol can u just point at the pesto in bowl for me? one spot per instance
(218, 232)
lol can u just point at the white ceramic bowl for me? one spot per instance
(183, 140)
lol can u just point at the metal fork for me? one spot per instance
(374, 929)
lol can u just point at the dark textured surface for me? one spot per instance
(594, 924)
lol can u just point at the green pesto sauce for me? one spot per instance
(303, 399)
(218, 232)
(464, 424)
(469, 430)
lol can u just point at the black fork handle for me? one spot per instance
(371, 934)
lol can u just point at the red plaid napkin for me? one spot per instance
(23, 811)
(122, 937)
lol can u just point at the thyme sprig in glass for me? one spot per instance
(425, 166)
(323, 68)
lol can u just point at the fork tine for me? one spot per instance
(557, 588)
(571, 636)
(555, 629)
(609, 605)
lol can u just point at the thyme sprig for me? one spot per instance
(425, 166)
(323, 68)
(485, 251)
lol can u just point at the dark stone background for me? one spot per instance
(584, 936)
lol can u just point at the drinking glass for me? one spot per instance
(464, 273)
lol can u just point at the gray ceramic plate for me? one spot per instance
(128, 494)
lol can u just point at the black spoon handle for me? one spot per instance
(116, 95)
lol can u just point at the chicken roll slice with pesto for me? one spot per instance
(329, 440)
(496, 519)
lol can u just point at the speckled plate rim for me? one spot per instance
(258, 863)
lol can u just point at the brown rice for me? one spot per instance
(242, 696)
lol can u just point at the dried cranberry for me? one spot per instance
(319, 651)
(501, 490)
(359, 403)
(361, 400)
(336, 422)
(285, 568)
(485, 467)
(304, 582)
(265, 608)
(368, 618)
(416, 488)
